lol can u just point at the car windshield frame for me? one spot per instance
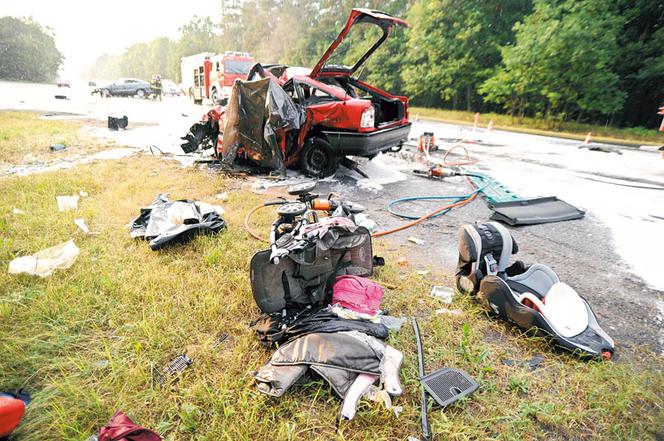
(244, 65)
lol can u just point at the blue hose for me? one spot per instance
(458, 198)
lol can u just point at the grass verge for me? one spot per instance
(26, 137)
(83, 340)
(635, 136)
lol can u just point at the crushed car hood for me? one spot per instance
(359, 15)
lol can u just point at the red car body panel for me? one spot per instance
(356, 16)
(338, 118)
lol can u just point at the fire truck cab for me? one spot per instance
(211, 76)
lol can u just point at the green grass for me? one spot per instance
(632, 136)
(24, 137)
(83, 340)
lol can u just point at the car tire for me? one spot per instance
(318, 159)
(140, 93)
(214, 96)
(105, 93)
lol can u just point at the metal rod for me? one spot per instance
(426, 428)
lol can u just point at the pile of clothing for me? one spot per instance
(323, 315)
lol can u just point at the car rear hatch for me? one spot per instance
(348, 59)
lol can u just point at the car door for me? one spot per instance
(326, 110)
(118, 88)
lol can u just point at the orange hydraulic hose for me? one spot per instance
(377, 234)
(423, 218)
(468, 160)
(246, 223)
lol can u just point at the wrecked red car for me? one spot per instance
(339, 114)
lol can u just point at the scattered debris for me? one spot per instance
(533, 363)
(165, 223)
(80, 223)
(83, 194)
(101, 364)
(415, 240)
(223, 197)
(445, 311)
(17, 211)
(422, 272)
(402, 261)
(175, 366)
(44, 262)
(66, 203)
(443, 293)
(599, 148)
(57, 147)
(61, 97)
(115, 124)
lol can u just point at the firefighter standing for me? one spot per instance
(155, 85)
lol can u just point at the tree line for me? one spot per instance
(559, 60)
(27, 51)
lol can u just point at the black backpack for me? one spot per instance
(305, 277)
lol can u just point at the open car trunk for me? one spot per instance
(357, 16)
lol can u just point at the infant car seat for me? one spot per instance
(528, 296)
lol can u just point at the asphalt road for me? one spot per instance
(611, 256)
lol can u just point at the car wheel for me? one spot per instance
(214, 97)
(317, 159)
(140, 93)
(105, 93)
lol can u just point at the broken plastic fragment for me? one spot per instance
(44, 262)
(443, 293)
(415, 240)
(80, 223)
(402, 261)
(17, 211)
(57, 147)
(83, 194)
(67, 202)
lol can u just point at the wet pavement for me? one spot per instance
(611, 256)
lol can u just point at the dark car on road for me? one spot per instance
(126, 87)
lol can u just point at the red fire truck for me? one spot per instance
(211, 76)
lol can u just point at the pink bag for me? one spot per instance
(358, 294)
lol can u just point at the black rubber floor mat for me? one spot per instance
(535, 211)
(447, 385)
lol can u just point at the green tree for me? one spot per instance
(28, 51)
(453, 46)
(640, 63)
(561, 64)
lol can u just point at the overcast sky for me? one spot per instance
(86, 29)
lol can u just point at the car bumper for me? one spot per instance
(367, 144)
